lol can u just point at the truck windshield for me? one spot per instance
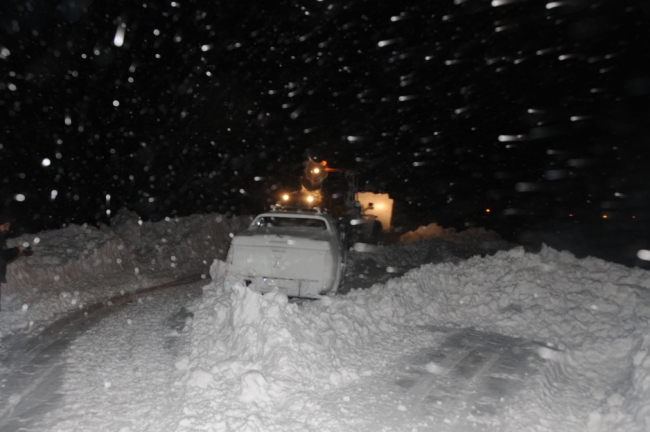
(290, 222)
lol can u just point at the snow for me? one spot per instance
(567, 340)
(83, 265)
(590, 315)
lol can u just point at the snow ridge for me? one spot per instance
(262, 358)
(80, 265)
(259, 362)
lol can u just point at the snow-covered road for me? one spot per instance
(113, 369)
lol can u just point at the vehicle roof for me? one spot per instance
(295, 214)
(303, 212)
(300, 214)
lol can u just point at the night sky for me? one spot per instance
(533, 109)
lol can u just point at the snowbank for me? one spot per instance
(434, 244)
(81, 265)
(592, 314)
(261, 363)
(259, 359)
(548, 296)
(435, 231)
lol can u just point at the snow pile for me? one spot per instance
(416, 248)
(260, 363)
(259, 359)
(435, 231)
(430, 231)
(80, 265)
(593, 314)
(550, 295)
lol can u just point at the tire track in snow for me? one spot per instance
(466, 380)
(31, 375)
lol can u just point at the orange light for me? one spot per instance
(316, 170)
(487, 210)
(633, 217)
(604, 216)
(285, 197)
(570, 214)
(324, 163)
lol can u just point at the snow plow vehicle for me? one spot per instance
(362, 216)
(297, 251)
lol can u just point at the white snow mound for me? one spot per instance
(78, 266)
(269, 358)
(263, 353)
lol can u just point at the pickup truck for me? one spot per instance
(297, 251)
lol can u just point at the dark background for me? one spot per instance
(537, 110)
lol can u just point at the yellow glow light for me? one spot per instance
(310, 198)
(285, 197)
(316, 170)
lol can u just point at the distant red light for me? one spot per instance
(570, 214)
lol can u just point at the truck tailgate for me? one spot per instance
(300, 266)
(279, 262)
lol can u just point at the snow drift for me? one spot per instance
(472, 235)
(80, 265)
(259, 362)
(259, 359)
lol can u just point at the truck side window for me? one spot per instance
(315, 223)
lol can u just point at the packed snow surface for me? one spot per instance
(508, 342)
